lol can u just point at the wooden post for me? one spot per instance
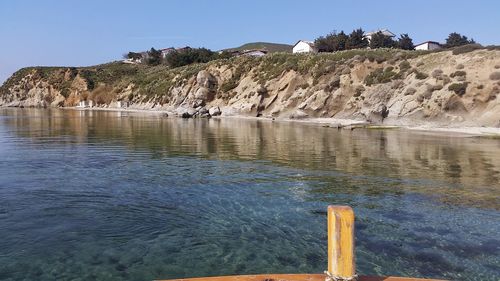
(341, 241)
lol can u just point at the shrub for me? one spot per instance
(436, 73)
(420, 75)
(380, 75)
(466, 49)
(404, 65)
(480, 87)
(495, 76)
(458, 73)
(459, 88)
(460, 66)
(433, 88)
(396, 84)
(304, 86)
(359, 90)
(497, 66)
(420, 98)
(427, 94)
(410, 91)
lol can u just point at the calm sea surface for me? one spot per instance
(121, 196)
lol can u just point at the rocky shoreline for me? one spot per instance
(430, 91)
(335, 123)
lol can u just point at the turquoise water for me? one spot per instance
(121, 196)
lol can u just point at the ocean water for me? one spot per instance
(94, 195)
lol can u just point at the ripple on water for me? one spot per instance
(100, 197)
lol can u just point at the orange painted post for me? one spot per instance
(341, 262)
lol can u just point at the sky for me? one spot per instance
(89, 32)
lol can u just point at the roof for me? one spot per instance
(433, 42)
(385, 31)
(310, 43)
(246, 52)
(255, 50)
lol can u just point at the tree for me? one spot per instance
(456, 39)
(405, 42)
(332, 42)
(133, 56)
(180, 58)
(321, 43)
(356, 40)
(379, 40)
(154, 57)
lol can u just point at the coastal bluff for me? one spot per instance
(384, 86)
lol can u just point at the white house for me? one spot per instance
(428, 46)
(303, 46)
(386, 32)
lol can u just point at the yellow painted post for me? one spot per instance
(341, 261)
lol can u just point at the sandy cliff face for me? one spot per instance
(401, 88)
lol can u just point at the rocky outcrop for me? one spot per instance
(389, 87)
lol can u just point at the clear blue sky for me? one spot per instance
(87, 32)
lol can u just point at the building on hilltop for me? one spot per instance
(252, 53)
(386, 32)
(303, 46)
(166, 51)
(428, 46)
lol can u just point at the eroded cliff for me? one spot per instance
(390, 86)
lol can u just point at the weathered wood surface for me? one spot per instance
(341, 241)
(294, 277)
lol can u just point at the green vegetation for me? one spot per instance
(379, 40)
(458, 73)
(459, 88)
(356, 40)
(151, 80)
(181, 58)
(270, 47)
(420, 75)
(405, 42)
(380, 75)
(404, 66)
(456, 39)
(334, 41)
(154, 57)
(466, 49)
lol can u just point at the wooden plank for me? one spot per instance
(341, 241)
(294, 277)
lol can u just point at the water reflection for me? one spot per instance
(466, 170)
(101, 195)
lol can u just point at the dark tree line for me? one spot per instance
(357, 40)
(177, 58)
(456, 39)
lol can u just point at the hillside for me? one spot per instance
(384, 85)
(270, 47)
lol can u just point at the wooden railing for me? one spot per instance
(341, 259)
